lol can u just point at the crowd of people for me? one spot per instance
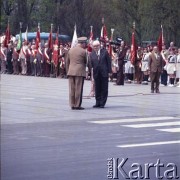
(33, 61)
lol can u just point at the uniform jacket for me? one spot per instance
(101, 65)
(76, 62)
(155, 64)
(39, 54)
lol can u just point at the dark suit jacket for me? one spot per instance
(101, 66)
(155, 64)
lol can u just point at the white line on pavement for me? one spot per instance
(27, 98)
(149, 144)
(170, 130)
(132, 120)
(153, 124)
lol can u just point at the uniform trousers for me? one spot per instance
(75, 90)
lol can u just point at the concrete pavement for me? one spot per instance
(42, 138)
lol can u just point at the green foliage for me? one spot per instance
(119, 14)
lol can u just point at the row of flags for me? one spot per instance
(103, 36)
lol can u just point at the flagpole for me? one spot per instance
(52, 68)
(39, 26)
(134, 26)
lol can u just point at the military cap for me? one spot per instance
(82, 40)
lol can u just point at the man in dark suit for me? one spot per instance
(155, 65)
(76, 72)
(100, 62)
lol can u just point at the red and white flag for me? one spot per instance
(104, 34)
(160, 40)
(74, 39)
(38, 38)
(7, 36)
(90, 40)
(50, 39)
(133, 48)
(55, 49)
(26, 35)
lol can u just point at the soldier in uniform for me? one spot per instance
(15, 57)
(46, 61)
(22, 56)
(39, 57)
(76, 66)
(155, 65)
(33, 60)
(9, 58)
(3, 57)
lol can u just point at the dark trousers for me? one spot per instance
(120, 76)
(9, 66)
(164, 77)
(155, 80)
(101, 90)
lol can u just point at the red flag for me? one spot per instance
(50, 44)
(38, 38)
(55, 50)
(110, 47)
(7, 36)
(104, 35)
(160, 40)
(133, 48)
(90, 40)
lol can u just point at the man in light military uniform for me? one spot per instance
(76, 71)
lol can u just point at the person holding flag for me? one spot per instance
(22, 57)
(15, 57)
(46, 60)
(55, 56)
(7, 36)
(3, 58)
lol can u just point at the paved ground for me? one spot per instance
(42, 139)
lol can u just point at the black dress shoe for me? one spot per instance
(96, 106)
(72, 108)
(152, 91)
(78, 108)
(157, 91)
(101, 106)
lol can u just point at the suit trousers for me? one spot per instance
(101, 90)
(75, 90)
(155, 80)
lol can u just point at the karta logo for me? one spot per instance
(117, 169)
